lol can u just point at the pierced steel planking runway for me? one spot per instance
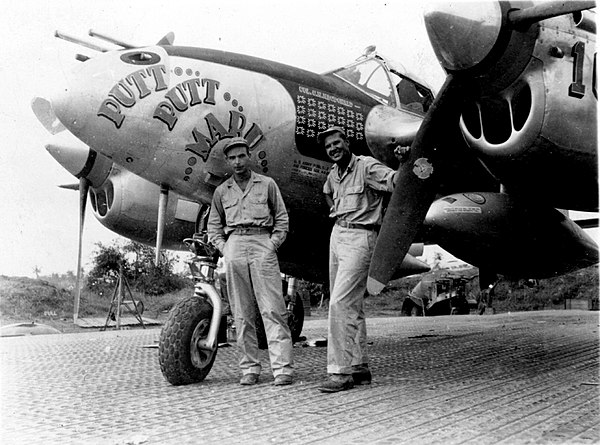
(497, 379)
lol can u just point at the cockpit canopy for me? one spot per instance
(375, 76)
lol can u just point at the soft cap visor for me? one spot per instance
(331, 130)
(235, 142)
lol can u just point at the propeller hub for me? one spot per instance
(462, 34)
(387, 128)
(69, 152)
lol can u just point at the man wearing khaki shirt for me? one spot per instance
(247, 223)
(354, 190)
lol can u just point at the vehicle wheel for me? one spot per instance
(181, 362)
(295, 323)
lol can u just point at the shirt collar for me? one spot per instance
(351, 164)
(253, 178)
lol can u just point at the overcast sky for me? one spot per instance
(38, 220)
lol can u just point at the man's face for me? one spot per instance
(336, 147)
(238, 159)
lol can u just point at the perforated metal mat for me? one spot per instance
(503, 379)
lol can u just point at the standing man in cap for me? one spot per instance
(247, 223)
(354, 191)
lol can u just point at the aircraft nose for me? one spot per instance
(74, 102)
(99, 94)
(462, 34)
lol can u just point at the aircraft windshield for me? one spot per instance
(387, 85)
(371, 77)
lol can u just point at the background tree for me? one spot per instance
(137, 260)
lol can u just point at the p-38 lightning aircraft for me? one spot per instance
(146, 128)
(510, 138)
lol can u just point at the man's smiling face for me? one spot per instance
(336, 147)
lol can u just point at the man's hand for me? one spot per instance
(401, 152)
(213, 251)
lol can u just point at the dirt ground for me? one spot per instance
(66, 325)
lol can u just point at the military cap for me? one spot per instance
(235, 142)
(331, 130)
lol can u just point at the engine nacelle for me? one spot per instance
(387, 128)
(497, 232)
(545, 122)
(122, 201)
(128, 205)
(531, 108)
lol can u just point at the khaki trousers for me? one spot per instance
(350, 253)
(253, 274)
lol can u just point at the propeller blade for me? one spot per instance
(543, 11)
(70, 186)
(415, 187)
(84, 186)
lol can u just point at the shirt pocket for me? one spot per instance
(258, 206)
(230, 208)
(352, 198)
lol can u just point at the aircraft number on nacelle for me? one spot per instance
(577, 88)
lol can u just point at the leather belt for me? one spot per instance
(251, 231)
(347, 225)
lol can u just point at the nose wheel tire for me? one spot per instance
(181, 361)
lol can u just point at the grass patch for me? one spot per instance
(524, 295)
(51, 298)
(21, 296)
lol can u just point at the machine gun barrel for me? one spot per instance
(110, 39)
(78, 41)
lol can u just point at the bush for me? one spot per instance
(316, 291)
(528, 295)
(137, 263)
(159, 280)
